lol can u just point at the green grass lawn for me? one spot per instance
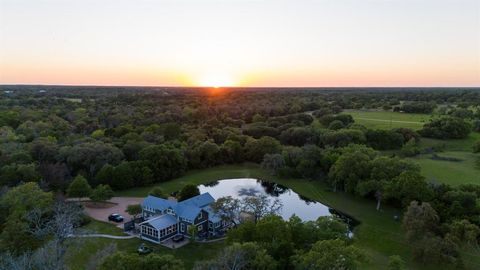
(450, 172)
(83, 249)
(379, 235)
(388, 120)
(453, 144)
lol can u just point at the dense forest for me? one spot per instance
(121, 138)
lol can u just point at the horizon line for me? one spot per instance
(177, 86)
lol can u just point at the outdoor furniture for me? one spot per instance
(178, 238)
(143, 249)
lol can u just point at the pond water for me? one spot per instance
(293, 203)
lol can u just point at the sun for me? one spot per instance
(216, 80)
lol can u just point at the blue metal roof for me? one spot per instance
(158, 203)
(162, 222)
(188, 209)
(201, 200)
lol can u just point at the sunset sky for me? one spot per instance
(241, 42)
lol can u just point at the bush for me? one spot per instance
(446, 128)
(188, 192)
(336, 125)
(476, 147)
(384, 139)
(101, 193)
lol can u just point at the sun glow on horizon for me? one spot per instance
(216, 80)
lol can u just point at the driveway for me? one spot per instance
(118, 206)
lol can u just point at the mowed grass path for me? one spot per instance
(388, 120)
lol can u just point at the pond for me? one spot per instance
(293, 203)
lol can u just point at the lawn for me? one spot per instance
(83, 249)
(452, 144)
(450, 172)
(454, 173)
(379, 235)
(388, 120)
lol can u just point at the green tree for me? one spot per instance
(90, 156)
(105, 175)
(446, 128)
(11, 175)
(157, 192)
(464, 231)
(192, 231)
(343, 137)
(134, 210)
(419, 220)
(122, 177)
(256, 149)
(409, 186)
(268, 230)
(476, 147)
(171, 131)
(228, 208)
(165, 161)
(329, 254)
(336, 125)
(396, 262)
(128, 261)
(232, 151)
(273, 163)
(187, 192)
(101, 193)
(353, 166)
(79, 188)
(383, 171)
(240, 257)
(15, 205)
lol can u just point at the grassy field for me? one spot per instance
(379, 235)
(450, 172)
(388, 120)
(464, 145)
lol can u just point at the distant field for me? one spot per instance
(450, 172)
(453, 145)
(388, 120)
(454, 173)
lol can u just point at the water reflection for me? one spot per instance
(293, 203)
(273, 189)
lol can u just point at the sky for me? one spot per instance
(266, 43)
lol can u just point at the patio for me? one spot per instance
(169, 243)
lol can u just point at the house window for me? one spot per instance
(200, 227)
(200, 215)
(182, 227)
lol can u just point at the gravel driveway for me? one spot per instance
(119, 207)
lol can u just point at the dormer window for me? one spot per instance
(200, 215)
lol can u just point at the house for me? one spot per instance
(166, 218)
